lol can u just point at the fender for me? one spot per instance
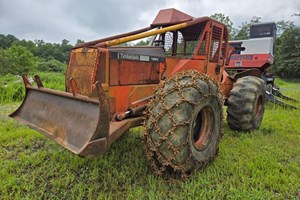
(249, 72)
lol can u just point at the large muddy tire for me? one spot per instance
(183, 124)
(246, 104)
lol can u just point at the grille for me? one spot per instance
(215, 44)
(81, 69)
(101, 69)
(182, 43)
(203, 46)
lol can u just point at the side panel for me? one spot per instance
(82, 68)
(125, 95)
(258, 46)
(250, 60)
(126, 72)
(177, 65)
(135, 65)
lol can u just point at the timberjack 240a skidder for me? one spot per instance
(109, 89)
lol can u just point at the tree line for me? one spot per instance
(24, 56)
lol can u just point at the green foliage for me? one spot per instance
(16, 60)
(7, 40)
(79, 41)
(142, 43)
(5, 61)
(244, 30)
(53, 80)
(39, 48)
(51, 51)
(13, 90)
(51, 66)
(28, 44)
(288, 54)
(23, 56)
(283, 25)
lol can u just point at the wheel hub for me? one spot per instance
(203, 125)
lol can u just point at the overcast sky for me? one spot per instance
(55, 20)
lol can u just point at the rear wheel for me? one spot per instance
(183, 124)
(246, 104)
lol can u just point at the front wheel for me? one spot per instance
(183, 124)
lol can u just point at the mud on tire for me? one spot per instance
(246, 104)
(183, 124)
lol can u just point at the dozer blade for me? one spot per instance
(77, 122)
(272, 98)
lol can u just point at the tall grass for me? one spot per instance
(12, 88)
(53, 80)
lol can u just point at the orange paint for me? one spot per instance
(129, 74)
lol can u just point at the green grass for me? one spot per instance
(12, 88)
(263, 164)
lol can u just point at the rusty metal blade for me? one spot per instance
(78, 123)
